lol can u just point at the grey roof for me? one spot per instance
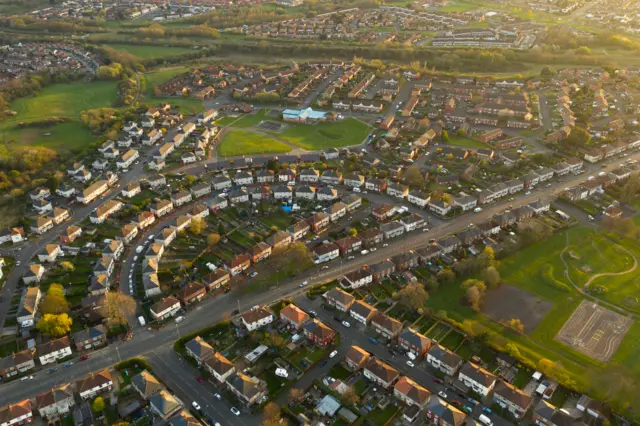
(445, 356)
(448, 413)
(89, 333)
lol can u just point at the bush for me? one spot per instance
(178, 346)
(132, 363)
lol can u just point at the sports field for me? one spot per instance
(466, 142)
(242, 142)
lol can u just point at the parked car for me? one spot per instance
(235, 411)
(333, 354)
(346, 324)
(195, 405)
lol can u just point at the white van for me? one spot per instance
(179, 319)
(356, 189)
(485, 420)
(142, 321)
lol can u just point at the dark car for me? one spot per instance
(84, 357)
(337, 319)
(438, 380)
(324, 362)
(235, 312)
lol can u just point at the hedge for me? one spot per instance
(179, 344)
(132, 363)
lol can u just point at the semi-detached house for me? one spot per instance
(386, 326)
(55, 403)
(19, 413)
(219, 367)
(477, 378)
(358, 278)
(511, 398)
(444, 360)
(257, 318)
(92, 192)
(410, 392)
(326, 252)
(340, 299)
(127, 159)
(165, 308)
(54, 350)
(94, 384)
(380, 373)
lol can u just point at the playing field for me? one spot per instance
(241, 142)
(326, 135)
(594, 331)
(149, 51)
(466, 142)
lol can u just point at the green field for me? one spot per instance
(63, 137)
(326, 135)
(465, 142)
(187, 105)
(458, 7)
(242, 142)
(250, 120)
(150, 51)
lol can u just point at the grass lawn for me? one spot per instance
(242, 142)
(281, 220)
(250, 120)
(224, 121)
(62, 138)
(465, 142)
(339, 372)
(379, 417)
(326, 135)
(274, 383)
(150, 51)
(523, 377)
(452, 340)
(438, 331)
(458, 6)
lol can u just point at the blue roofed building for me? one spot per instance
(303, 116)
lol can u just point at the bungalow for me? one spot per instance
(238, 264)
(54, 350)
(247, 389)
(293, 315)
(386, 326)
(180, 198)
(55, 403)
(216, 279)
(414, 342)
(477, 378)
(28, 307)
(146, 384)
(380, 373)
(443, 359)
(392, 229)
(94, 384)
(165, 308)
(356, 358)
(90, 338)
(198, 349)
(411, 393)
(191, 293)
(513, 399)
(340, 299)
(357, 278)
(318, 333)
(325, 252)
(256, 318)
(219, 367)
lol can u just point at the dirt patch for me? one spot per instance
(595, 331)
(507, 302)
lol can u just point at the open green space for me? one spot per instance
(326, 135)
(150, 51)
(250, 120)
(458, 7)
(465, 142)
(242, 142)
(63, 137)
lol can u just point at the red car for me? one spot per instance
(84, 357)
(199, 379)
(456, 402)
(438, 380)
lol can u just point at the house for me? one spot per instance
(90, 338)
(440, 207)
(70, 234)
(299, 229)
(356, 279)
(216, 279)
(42, 206)
(156, 181)
(386, 326)
(162, 208)
(353, 180)
(55, 403)
(326, 194)
(441, 413)
(128, 233)
(392, 229)
(50, 253)
(243, 178)
(198, 349)
(356, 358)
(411, 393)
(546, 414)
(414, 342)
(477, 378)
(309, 176)
(418, 198)
(371, 237)
(127, 159)
(511, 398)
(191, 293)
(131, 190)
(28, 307)
(382, 270)
(238, 196)
(166, 236)
(380, 373)
(201, 189)
(444, 360)
(19, 413)
(199, 210)
(293, 315)
(238, 264)
(43, 224)
(397, 190)
(165, 308)
(146, 384)
(279, 240)
(319, 221)
(256, 318)
(318, 333)
(150, 280)
(220, 183)
(265, 176)
(466, 202)
(14, 364)
(412, 222)
(145, 219)
(59, 215)
(340, 299)
(33, 274)
(94, 384)
(180, 198)
(164, 404)
(247, 389)
(105, 265)
(219, 367)
(352, 201)
(283, 192)
(362, 312)
(349, 244)
(260, 252)
(377, 185)
(102, 213)
(331, 177)
(286, 176)
(325, 252)
(449, 244)
(39, 194)
(337, 211)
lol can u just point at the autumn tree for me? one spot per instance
(54, 302)
(413, 176)
(296, 395)
(189, 179)
(116, 307)
(54, 325)
(353, 232)
(631, 189)
(98, 405)
(350, 397)
(67, 266)
(474, 298)
(271, 415)
(213, 239)
(276, 340)
(197, 225)
(446, 276)
(515, 324)
(413, 296)
(491, 277)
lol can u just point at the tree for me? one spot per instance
(350, 397)
(474, 283)
(516, 325)
(213, 239)
(445, 136)
(491, 276)
(98, 405)
(446, 276)
(630, 189)
(54, 302)
(474, 298)
(353, 232)
(296, 395)
(276, 340)
(116, 307)
(489, 254)
(67, 266)
(271, 415)
(189, 179)
(413, 176)
(578, 138)
(197, 225)
(55, 325)
(413, 296)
